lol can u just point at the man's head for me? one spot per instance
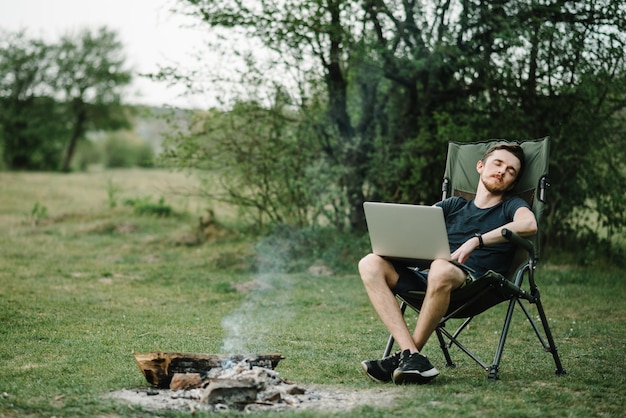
(501, 166)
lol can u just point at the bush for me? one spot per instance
(123, 149)
(87, 153)
(145, 206)
(120, 149)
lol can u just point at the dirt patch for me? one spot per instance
(315, 397)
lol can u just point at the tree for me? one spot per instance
(31, 124)
(565, 76)
(401, 79)
(299, 34)
(50, 94)
(260, 160)
(89, 81)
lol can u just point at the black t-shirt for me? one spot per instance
(464, 219)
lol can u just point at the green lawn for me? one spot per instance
(85, 281)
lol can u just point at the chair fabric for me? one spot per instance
(461, 179)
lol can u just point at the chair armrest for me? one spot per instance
(519, 241)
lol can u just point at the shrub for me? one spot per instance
(123, 149)
(87, 153)
(145, 206)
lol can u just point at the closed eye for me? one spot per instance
(510, 169)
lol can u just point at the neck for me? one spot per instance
(485, 199)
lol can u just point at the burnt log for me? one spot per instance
(185, 381)
(159, 367)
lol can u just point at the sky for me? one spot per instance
(151, 35)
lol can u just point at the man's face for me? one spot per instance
(499, 171)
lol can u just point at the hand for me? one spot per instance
(464, 251)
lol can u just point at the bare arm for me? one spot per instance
(524, 223)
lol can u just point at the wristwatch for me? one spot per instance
(481, 243)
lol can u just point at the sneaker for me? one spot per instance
(414, 368)
(380, 371)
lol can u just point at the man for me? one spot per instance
(476, 245)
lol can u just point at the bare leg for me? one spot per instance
(443, 277)
(379, 277)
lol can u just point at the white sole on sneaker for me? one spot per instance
(413, 376)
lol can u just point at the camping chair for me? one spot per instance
(461, 179)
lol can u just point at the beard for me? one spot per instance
(494, 186)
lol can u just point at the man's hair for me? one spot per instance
(514, 149)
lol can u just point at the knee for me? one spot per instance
(371, 267)
(442, 275)
(368, 263)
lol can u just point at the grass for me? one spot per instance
(84, 283)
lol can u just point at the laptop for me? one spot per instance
(412, 234)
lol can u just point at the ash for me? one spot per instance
(242, 387)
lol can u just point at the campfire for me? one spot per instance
(217, 383)
(224, 382)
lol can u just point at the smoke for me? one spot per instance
(262, 314)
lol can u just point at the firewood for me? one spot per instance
(185, 381)
(159, 367)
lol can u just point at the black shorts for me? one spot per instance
(412, 279)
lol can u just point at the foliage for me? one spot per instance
(112, 192)
(380, 87)
(88, 153)
(38, 214)
(90, 76)
(50, 94)
(32, 133)
(123, 149)
(145, 206)
(32, 126)
(113, 149)
(263, 164)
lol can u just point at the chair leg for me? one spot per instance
(493, 370)
(492, 374)
(453, 340)
(389, 346)
(552, 346)
(444, 348)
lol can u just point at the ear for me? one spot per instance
(479, 166)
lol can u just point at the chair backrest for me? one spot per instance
(461, 177)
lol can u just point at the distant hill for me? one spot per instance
(154, 124)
